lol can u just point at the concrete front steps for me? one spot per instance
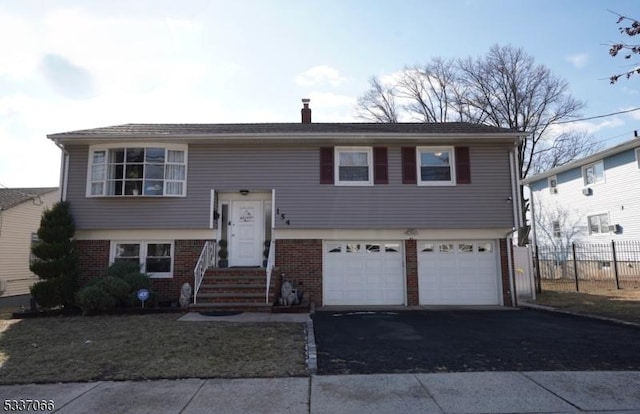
(234, 289)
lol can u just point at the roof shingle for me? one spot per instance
(284, 128)
(11, 197)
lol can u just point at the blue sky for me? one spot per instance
(68, 65)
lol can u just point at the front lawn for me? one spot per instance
(140, 347)
(623, 304)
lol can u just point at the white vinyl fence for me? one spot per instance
(523, 260)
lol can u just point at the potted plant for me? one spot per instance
(265, 253)
(223, 254)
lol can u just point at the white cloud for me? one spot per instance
(319, 75)
(591, 127)
(578, 60)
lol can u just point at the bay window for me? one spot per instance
(152, 170)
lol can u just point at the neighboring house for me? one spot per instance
(20, 213)
(595, 199)
(357, 214)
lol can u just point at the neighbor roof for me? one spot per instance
(168, 130)
(627, 145)
(10, 197)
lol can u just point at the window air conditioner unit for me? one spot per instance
(615, 228)
(587, 191)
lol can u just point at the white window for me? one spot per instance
(556, 229)
(154, 257)
(354, 165)
(593, 173)
(598, 224)
(553, 184)
(435, 166)
(144, 170)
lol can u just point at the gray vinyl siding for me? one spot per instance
(294, 173)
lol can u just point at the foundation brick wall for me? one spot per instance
(185, 258)
(504, 266)
(93, 261)
(301, 262)
(411, 260)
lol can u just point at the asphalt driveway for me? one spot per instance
(470, 340)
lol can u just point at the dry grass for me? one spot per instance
(139, 347)
(623, 304)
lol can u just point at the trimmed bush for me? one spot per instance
(115, 287)
(55, 260)
(95, 298)
(47, 293)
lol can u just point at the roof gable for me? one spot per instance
(625, 146)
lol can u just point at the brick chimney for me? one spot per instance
(306, 111)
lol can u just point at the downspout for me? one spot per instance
(64, 170)
(516, 220)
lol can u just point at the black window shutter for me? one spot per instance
(409, 173)
(380, 166)
(463, 165)
(326, 165)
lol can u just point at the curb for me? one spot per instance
(551, 309)
(312, 353)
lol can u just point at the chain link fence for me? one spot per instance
(588, 266)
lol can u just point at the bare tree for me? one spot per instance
(433, 92)
(630, 28)
(513, 92)
(378, 104)
(563, 149)
(556, 228)
(505, 88)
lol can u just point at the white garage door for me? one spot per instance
(363, 273)
(458, 273)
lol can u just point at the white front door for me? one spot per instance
(246, 233)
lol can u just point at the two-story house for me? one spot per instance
(352, 213)
(20, 213)
(594, 199)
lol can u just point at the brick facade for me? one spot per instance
(301, 263)
(93, 261)
(411, 260)
(504, 267)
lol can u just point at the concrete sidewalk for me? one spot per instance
(479, 392)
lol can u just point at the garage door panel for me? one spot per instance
(363, 273)
(458, 273)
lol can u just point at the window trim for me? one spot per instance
(106, 147)
(584, 173)
(599, 224)
(452, 165)
(143, 255)
(336, 162)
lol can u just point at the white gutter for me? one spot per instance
(64, 170)
(517, 219)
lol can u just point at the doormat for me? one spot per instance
(221, 313)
